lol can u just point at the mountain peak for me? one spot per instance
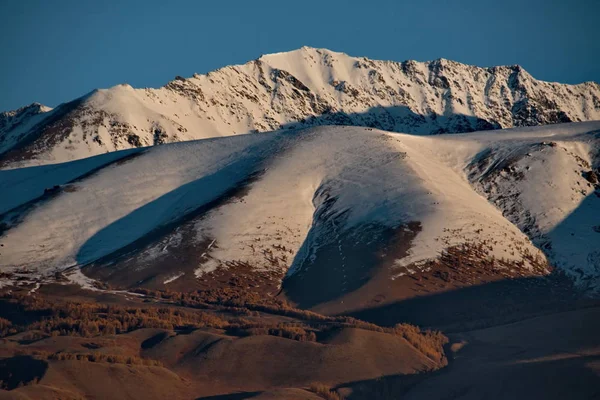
(30, 108)
(302, 54)
(442, 60)
(303, 49)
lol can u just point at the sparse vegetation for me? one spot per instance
(37, 316)
(47, 317)
(428, 342)
(93, 319)
(325, 392)
(96, 357)
(288, 332)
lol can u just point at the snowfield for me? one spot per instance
(270, 201)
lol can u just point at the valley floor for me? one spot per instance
(555, 356)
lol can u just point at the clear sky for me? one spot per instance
(53, 51)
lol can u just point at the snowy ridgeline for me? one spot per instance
(297, 89)
(271, 200)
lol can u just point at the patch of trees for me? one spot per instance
(428, 342)
(324, 392)
(89, 319)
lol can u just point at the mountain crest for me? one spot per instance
(300, 88)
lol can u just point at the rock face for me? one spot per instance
(297, 89)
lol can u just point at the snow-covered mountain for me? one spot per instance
(301, 88)
(321, 212)
(15, 125)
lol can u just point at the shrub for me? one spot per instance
(289, 332)
(6, 328)
(324, 392)
(428, 342)
(96, 357)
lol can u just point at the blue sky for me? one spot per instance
(54, 51)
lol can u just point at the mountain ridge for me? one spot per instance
(297, 89)
(326, 213)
